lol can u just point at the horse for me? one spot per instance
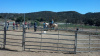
(54, 26)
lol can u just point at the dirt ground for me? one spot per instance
(13, 53)
(14, 44)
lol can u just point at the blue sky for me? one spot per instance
(26, 6)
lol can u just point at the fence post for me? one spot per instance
(41, 40)
(23, 39)
(4, 43)
(58, 40)
(75, 41)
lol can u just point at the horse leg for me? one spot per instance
(56, 28)
(50, 28)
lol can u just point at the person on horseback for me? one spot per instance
(52, 21)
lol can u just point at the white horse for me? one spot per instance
(55, 26)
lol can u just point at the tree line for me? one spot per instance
(66, 16)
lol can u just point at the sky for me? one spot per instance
(27, 6)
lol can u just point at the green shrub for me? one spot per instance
(38, 23)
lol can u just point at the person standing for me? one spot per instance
(16, 26)
(44, 25)
(28, 25)
(7, 25)
(13, 25)
(35, 26)
(25, 25)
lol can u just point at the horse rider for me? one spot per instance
(52, 21)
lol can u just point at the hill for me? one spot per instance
(68, 16)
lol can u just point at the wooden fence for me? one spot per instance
(90, 44)
(55, 39)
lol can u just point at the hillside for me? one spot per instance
(66, 16)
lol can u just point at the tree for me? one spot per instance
(0, 16)
(97, 22)
(19, 19)
(41, 20)
(89, 21)
(12, 18)
(29, 18)
(32, 22)
(38, 19)
(26, 19)
(38, 23)
(71, 16)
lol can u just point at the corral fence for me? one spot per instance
(50, 41)
(1, 35)
(26, 42)
(14, 39)
(81, 27)
(46, 41)
(10, 38)
(53, 41)
(88, 42)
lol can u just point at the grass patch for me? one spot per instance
(79, 26)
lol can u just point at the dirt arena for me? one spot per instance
(14, 44)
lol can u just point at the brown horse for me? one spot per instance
(54, 26)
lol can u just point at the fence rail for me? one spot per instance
(91, 41)
(51, 50)
(49, 46)
(27, 46)
(50, 38)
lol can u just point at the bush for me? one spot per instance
(12, 19)
(1, 17)
(38, 23)
(32, 22)
(19, 19)
(97, 23)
